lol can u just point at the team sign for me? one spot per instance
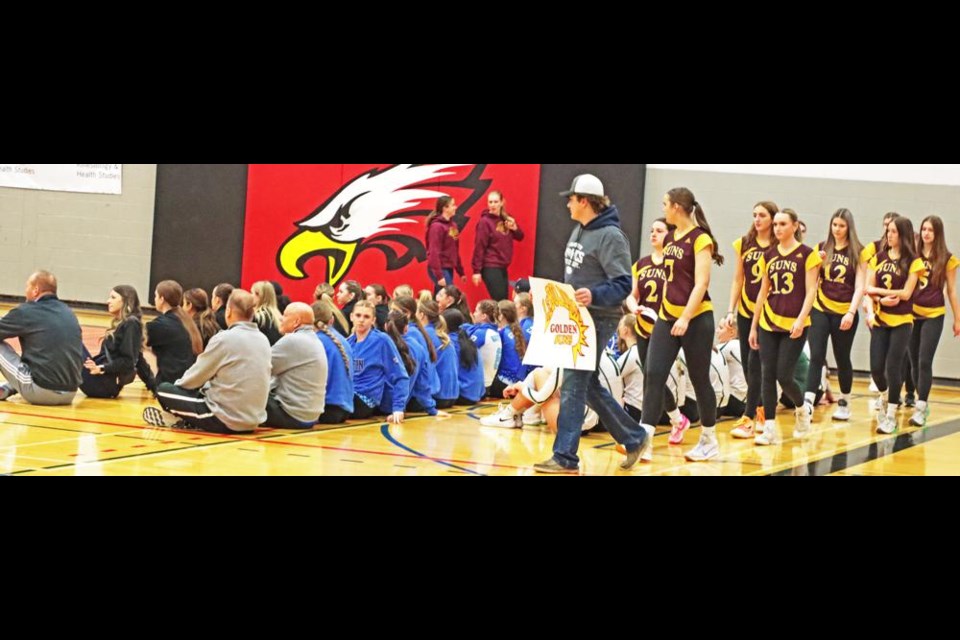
(563, 332)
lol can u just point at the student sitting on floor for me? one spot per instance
(226, 390)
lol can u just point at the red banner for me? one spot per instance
(313, 223)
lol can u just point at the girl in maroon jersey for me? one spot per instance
(891, 281)
(834, 316)
(686, 319)
(781, 318)
(649, 277)
(743, 301)
(929, 309)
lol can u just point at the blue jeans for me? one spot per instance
(582, 388)
(447, 275)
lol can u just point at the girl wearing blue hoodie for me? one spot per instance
(376, 365)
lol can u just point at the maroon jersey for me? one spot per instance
(929, 302)
(788, 286)
(680, 264)
(838, 282)
(650, 280)
(891, 276)
(749, 255)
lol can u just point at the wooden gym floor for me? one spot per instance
(108, 437)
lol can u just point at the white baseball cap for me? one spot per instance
(585, 185)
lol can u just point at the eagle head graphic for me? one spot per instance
(369, 212)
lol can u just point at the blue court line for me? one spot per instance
(385, 432)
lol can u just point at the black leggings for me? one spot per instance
(888, 347)
(923, 346)
(643, 347)
(827, 325)
(496, 280)
(780, 354)
(333, 415)
(697, 346)
(752, 366)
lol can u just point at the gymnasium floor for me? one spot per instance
(101, 437)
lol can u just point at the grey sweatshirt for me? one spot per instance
(300, 374)
(598, 258)
(234, 372)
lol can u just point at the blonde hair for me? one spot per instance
(267, 312)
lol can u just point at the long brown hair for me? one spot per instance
(130, 308)
(172, 294)
(939, 254)
(503, 208)
(431, 311)
(508, 311)
(409, 306)
(684, 198)
(394, 327)
(751, 237)
(854, 247)
(438, 208)
(908, 243)
(881, 244)
(795, 217)
(205, 319)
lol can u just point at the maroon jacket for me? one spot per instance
(493, 248)
(443, 247)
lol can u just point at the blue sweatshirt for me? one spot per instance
(471, 380)
(377, 364)
(339, 375)
(420, 380)
(511, 368)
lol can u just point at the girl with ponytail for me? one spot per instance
(339, 398)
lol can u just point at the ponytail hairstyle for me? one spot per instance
(425, 294)
(130, 308)
(172, 294)
(409, 306)
(796, 220)
(751, 237)
(508, 311)
(459, 299)
(503, 209)
(323, 313)
(854, 247)
(908, 243)
(394, 327)
(431, 311)
(380, 291)
(939, 255)
(489, 309)
(437, 212)
(468, 350)
(628, 321)
(684, 198)
(204, 318)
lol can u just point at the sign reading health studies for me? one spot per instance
(563, 332)
(80, 178)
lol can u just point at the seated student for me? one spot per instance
(218, 302)
(451, 296)
(377, 366)
(403, 291)
(447, 367)
(226, 390)
(349, 293)
(486, 336)
(470, 370)
(630, 366)
(267, 315)
(324, 289)
(116, 364)
(421, 379)
(173, 337)
(514, 348)
(48, 371)
(729, 347)
(377, 294)
(196, 306)
(339, 391)
(282, 300)
(411, 358)
(299, 370)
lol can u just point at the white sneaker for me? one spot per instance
(804, 416)
(768, 438)
(159, 418)
(873, 386)
(887, 425)
(842, 413)
(647, 454)
(880, 407)
(533, 417)
(707, 449)
(920, 416)
(504, 418)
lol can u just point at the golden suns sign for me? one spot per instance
(563, 333)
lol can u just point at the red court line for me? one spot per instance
(228, 438)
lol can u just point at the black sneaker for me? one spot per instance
(911, 401)
(552, 466)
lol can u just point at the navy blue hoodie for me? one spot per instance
(598, 258)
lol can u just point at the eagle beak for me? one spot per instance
(306, 244)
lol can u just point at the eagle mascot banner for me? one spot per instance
(563, 336)
(312, 223)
